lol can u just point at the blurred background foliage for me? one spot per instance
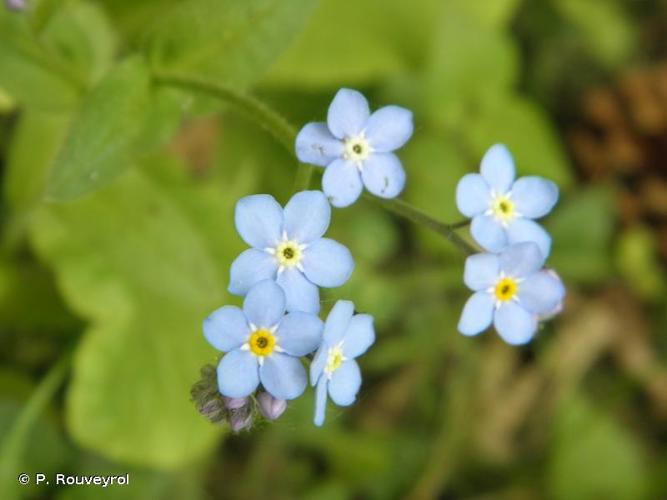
(117, 234)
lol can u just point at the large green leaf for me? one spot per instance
(226, 40)
(144, 261)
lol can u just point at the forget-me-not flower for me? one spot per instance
(287, 246)
(334, 370)
(512, 291)
(356, 148)
(263, 344)
(502, 210)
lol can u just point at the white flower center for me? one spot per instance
(505, 289)
(502, 208)
(356, 149)
(288, 253)
(334, 359)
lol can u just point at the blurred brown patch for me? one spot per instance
(196, 144)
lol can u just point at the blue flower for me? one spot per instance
(263, 344)
(501, 209)
(511, 290)
(334, 370)
(287, 246)
(356, 148)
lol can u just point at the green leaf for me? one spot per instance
(638, 261)
(103, 134)
(144, 261)
(226, 40)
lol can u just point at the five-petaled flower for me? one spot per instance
(501, 209)
(334, 370)
(263, 344)
(512, 290)
(356, 148)
(287, 246)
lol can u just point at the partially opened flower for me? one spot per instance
(512, 291)
(263, 344)
(356, 148)
(334, 371)
(287, 246)
(502, 209)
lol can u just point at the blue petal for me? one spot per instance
(249, 268)
(345, 383)
(264, 305)
(316, 145)
(299, 333)
(389, 128)
(341, 183)
(481, 271)
(359, 336)
(526, 230)
(318, 363)
(488, 232)
(320, 401)
(283, 376)
(498, 168)
(541, 292)
(307, 216)
(521, 259)
(472, 195)
(383, 175)
(327, 263)
(301, 294)
(259, 220)
(477, 314)
(238, 374)
(226, 329)
(534, 197)
(514, 324)
(337, 322)
(348, 113)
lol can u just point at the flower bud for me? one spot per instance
(271, 407)
(240, 419)
(234, 403)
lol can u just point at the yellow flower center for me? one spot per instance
(288, 253)
(505, 289)
(262, 342)
(356, 149)
(334, 359)
(502, 208)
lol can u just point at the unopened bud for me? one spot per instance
(234, 403)
(271, 407)
(240, 419)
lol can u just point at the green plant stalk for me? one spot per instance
(285, 133)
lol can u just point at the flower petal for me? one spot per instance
(301, 294)
(472, 195)
(320, 401)
(521, 259)
(307, 216)
(238, 374)
(525, 230)
(327, 263)
(226, 329)
(335, 326)
(481, 271)
(250, 267)
(300, 333)
(283, 376)
(359, 336)
(540, 293)
(514, 324)
(345, 383)
(488, 232)
(498, 168)
(264, 305)
(341, 183)
(316, 145)
(348, 113)
(383, 175)
(477, 314)
(259, 220)
(534, 196)
(389, 128)
(318, 363)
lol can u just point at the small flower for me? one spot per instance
(334, 370)
(356, 148)
(15, 5)
(511, 290)
(287, 246)
(502, 210)
(262, 344)
(271, 407)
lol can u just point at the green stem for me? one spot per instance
(285, 133)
